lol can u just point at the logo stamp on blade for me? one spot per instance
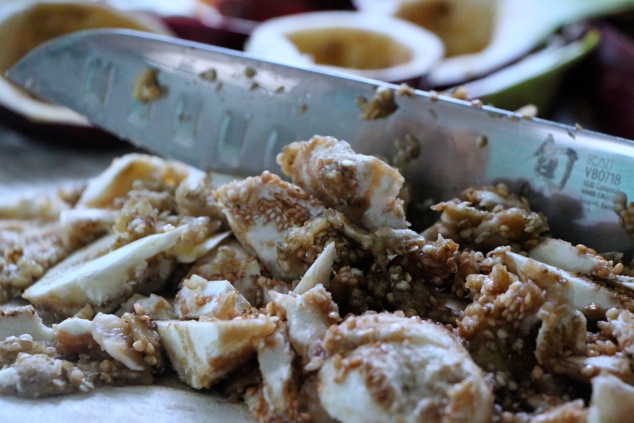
(553, 163)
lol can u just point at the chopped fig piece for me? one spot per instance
(487, 217)
(188, 254)
(13, 346)
(587, 294)
(319, 272)
(620, 324)
(612, 400)
(154, 306)
(309, 316)
(584, 369)
(279, 378)
(261, 210)
(24, 320)
(74, 337)
(39, 375)
(203, 352)
(118, 179)
(27, 251)
(129, 339)
(385, 367)
(104, 280)
(363, 188)
(38, 205)
(578, 259)
(231, 262)
(214, 299)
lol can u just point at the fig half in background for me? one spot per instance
(368, 45)
(612, 82)
(194, 29)
(519, 27)
(534, 79)
(27, 23)
(257, 10)
(464, 26)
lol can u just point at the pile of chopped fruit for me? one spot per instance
(310, 299)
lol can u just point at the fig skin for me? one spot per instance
(62, 134)
(538, 78)
(224, 34)
(252, 10)
(611, 79)
(598, 94)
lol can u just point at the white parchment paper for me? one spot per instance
(30, 165)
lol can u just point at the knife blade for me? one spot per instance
(225, 111)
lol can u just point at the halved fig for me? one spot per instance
(26, 24)
(369, 45)
(228, 23)
(535, 78)
(611, 94)
(465, 26)
(518, 28)
(252, 10)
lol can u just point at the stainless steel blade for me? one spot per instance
(222, 110)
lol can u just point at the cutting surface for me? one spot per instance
(31, 165)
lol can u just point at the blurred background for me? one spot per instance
(571, 61)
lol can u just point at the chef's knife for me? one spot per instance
(222, 110)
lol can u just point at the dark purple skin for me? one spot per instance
(599, 94)
(71, 135)
(225, 34)
(612, 70)
(252, 10)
